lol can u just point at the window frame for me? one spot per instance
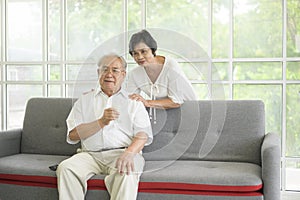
(64, 84)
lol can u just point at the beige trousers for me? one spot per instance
(73, 173)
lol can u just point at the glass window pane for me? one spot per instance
(293, 175)
(54, 90)
(17, 97)
(24, 73)
(220, 29)
(24, 34)
(181, 16)
(101, 21)
(293, 28)
(54, 31)
(220, 71)
(195, 71)
(257, 28)
(220, 91)
(54, 72)
(293, 71)
(1, 31)
(271, 95)
(257, 71)
(293, 119)
(202, 91)
(84, 72)
(72, 72)
(134, 14)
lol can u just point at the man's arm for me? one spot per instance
(86, 130)
(126, 161)
(138, 143)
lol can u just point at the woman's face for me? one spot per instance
(142, 54)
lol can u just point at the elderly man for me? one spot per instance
(113, 130)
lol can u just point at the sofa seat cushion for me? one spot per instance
(164, 177)
(202, 177)
(29, 169)
(207, 178)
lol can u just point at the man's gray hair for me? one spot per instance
(113, 56)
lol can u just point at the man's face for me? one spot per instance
(111, 75)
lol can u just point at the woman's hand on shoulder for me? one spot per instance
(138, 97)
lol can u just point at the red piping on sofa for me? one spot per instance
(147, 187)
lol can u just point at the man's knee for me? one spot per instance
(64, 166)
(60, 168)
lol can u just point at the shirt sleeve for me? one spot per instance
(179, 87)
(131, 85)
(141, 122)
(74, 119)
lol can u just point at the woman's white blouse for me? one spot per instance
(171, 83)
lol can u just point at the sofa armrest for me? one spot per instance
(270, 155)
(10, 142)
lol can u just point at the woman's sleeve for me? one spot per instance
(179, 87)
(131, 85)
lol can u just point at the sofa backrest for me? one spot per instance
(230, 130)
(44, 128)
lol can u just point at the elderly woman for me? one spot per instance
(160, 77)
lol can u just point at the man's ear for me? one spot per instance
(124, 74)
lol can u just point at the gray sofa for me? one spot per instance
(204, 150)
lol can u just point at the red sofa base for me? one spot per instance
(146, 187)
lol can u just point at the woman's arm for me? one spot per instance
(165, 103)
(162, 103)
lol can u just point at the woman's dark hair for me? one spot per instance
(145, 37)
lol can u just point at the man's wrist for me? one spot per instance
(101, 122)
(129, 151)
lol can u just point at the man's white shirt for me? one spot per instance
(133, 119)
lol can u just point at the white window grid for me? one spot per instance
(63, 62)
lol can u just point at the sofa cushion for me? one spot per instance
(164, 128)
(29, 164)
(195, 177)
(202, 176)
(173, 132)
(231, 131)
(44, 129)
(210, 130)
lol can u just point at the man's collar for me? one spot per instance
(121, 91)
